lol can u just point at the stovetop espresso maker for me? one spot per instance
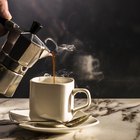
(19, 53)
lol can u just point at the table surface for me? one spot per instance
(119, 120)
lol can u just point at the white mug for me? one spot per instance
(54, 101)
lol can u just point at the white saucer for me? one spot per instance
(21, 116)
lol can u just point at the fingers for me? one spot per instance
(4, 10)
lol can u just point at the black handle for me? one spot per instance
(36, 26)
(8, 24)
(2, 21)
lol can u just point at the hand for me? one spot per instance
(4, 12)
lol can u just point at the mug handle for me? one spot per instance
(85, 91)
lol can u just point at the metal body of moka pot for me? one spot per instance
(20, 52)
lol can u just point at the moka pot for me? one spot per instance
(19, 53)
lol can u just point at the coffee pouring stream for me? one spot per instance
(19, 53)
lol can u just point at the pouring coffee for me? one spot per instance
(19, 53)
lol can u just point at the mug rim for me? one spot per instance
(36, 80)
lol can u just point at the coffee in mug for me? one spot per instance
(55, 101)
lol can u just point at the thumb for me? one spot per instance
(6, 15)
(4, 10)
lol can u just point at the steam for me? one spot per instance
(66, 47)
(53, 46)
(82, 66)
(62, 73)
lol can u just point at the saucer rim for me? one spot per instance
(48, 129)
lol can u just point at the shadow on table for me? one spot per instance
(17, 133)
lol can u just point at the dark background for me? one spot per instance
(106, 30)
